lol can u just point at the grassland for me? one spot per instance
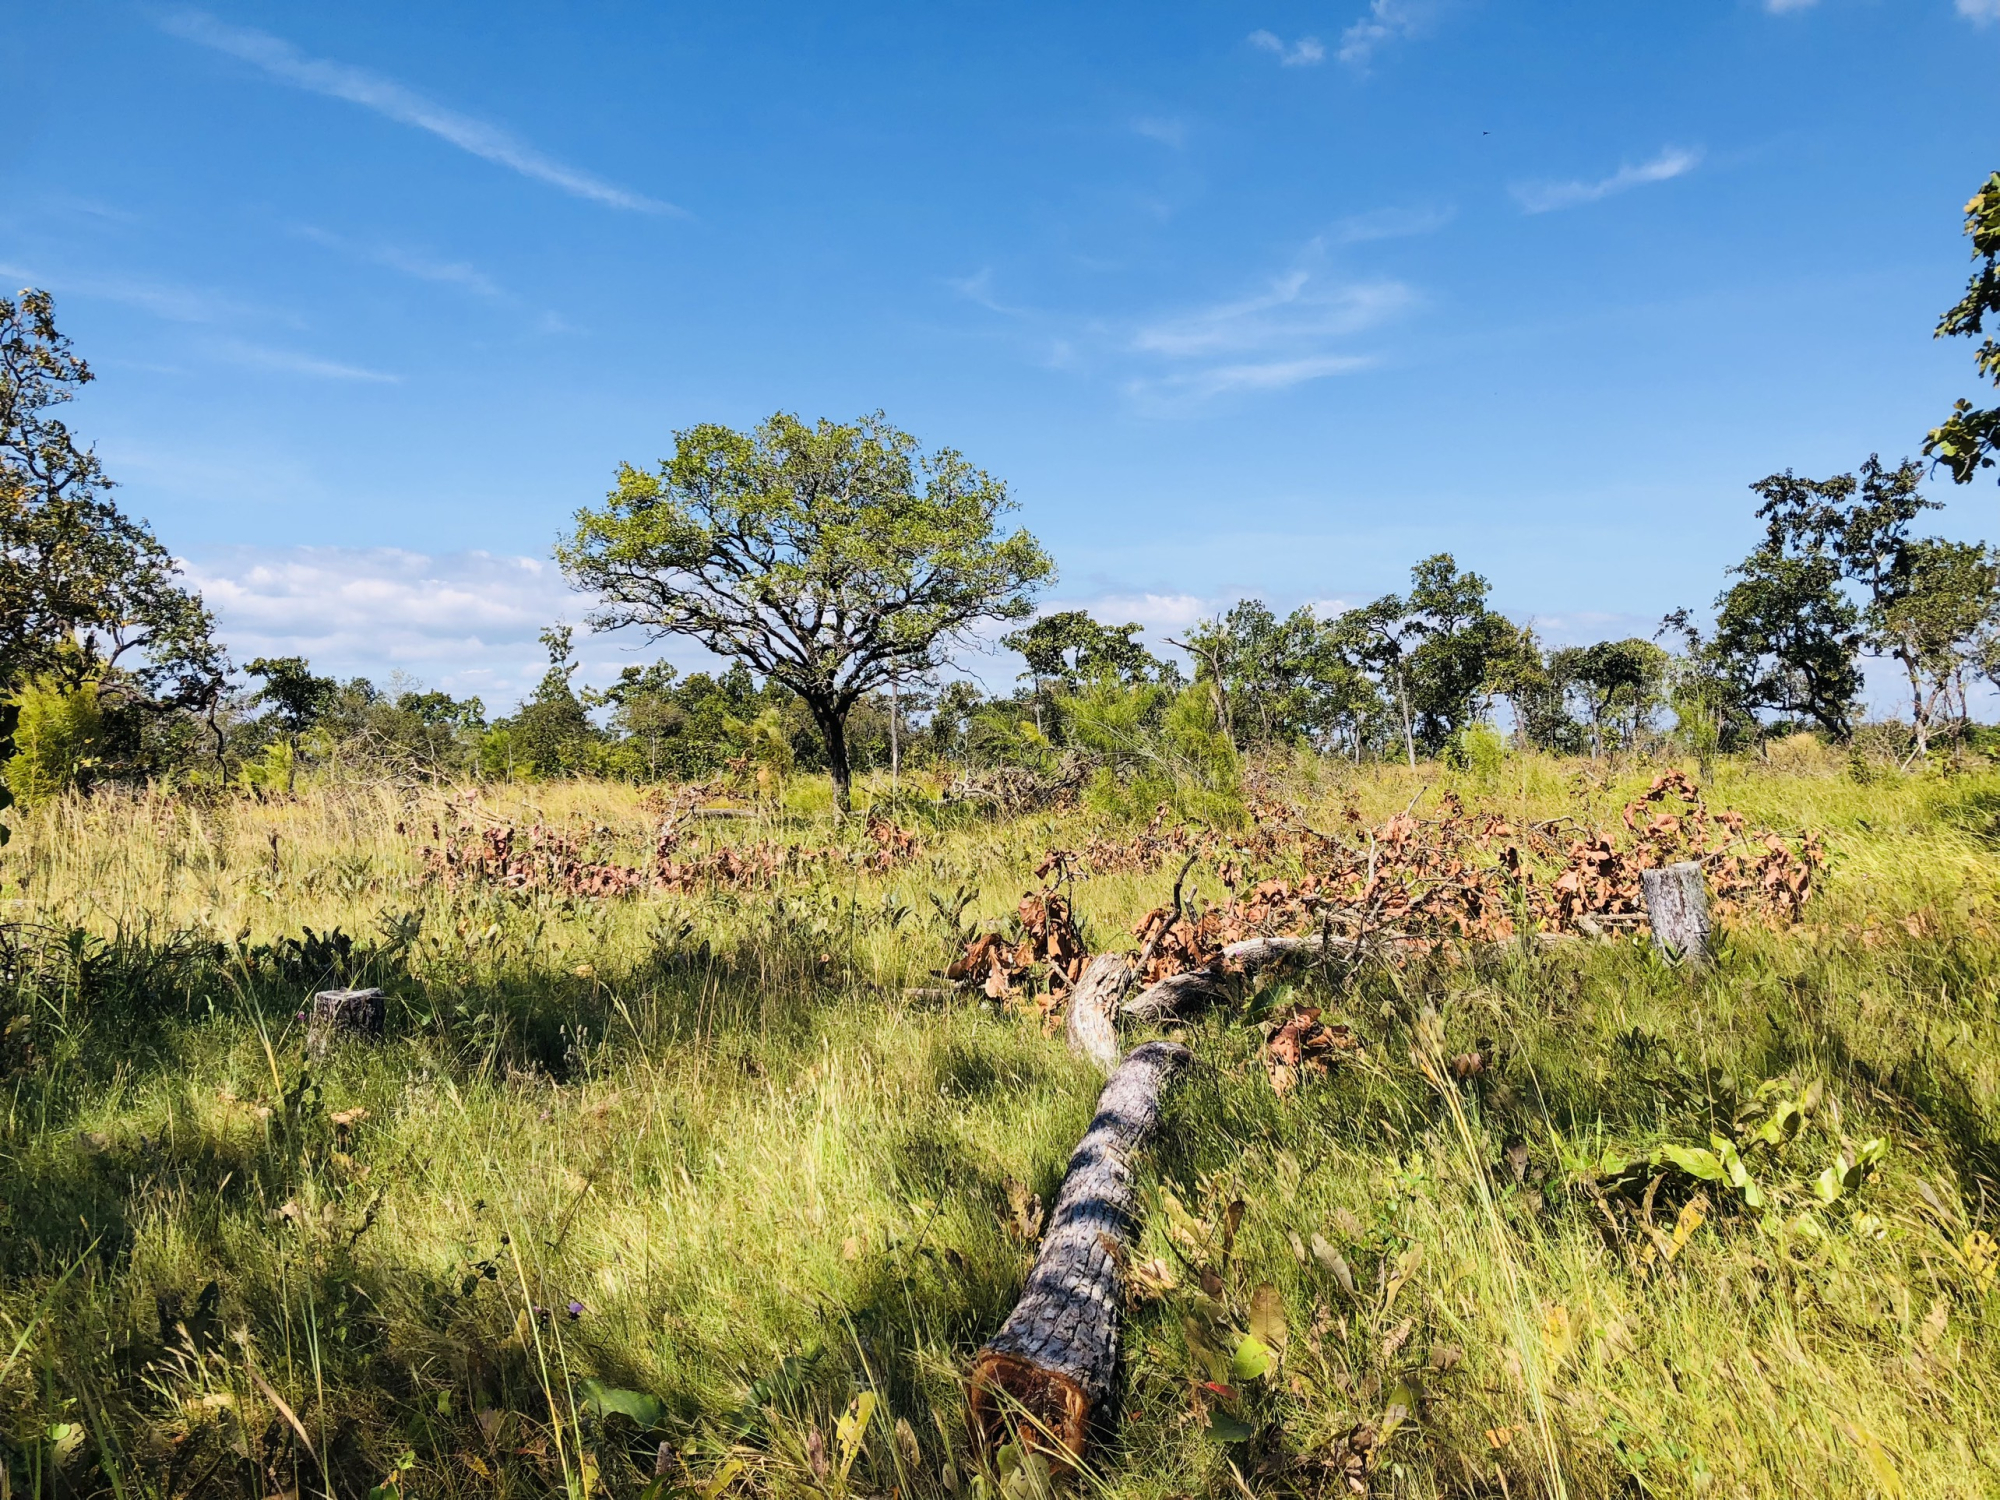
(655, 1190)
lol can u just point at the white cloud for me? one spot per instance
(1786, 7)
(1386, 21)
(1543, 197)
(176, 304)
(289, 362)
(1303, 53)
(410, 262)
(1392, 223)
(1295, 309)
(1166, 132)
(386, 97)
(1979, 11)
(464, 621)
(1165, 393)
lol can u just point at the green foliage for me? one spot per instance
(1618, 683)
(1278, 682)
(833, 559)
(1068, 648)
(1155, 744)
(1969, 438)
(84, 588)
(58, 735)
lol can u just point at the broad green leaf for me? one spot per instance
(1224, 1428)
(644, 1410)
(1252, 1359)
(1692, 1160)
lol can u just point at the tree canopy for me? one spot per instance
(834, 558)
(1967, 440)
(84, 588)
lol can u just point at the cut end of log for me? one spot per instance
(1046, 1410)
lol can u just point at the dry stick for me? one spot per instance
(1047, 1372)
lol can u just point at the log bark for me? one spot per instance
(1677, 907)
(344, 1015)
(1179, 993)
(1049, 1369)
(1092, 1009)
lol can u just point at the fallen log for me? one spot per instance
(1049, 1369)
(1092, 1009)
(1204, 986)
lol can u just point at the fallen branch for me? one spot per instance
(1093, 1009)
(1049, 1369)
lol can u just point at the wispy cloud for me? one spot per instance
(1543, 197)
(1193, 386)
(1295, 327)
(409, 262)
(1167, 132)
(1393, 223)
(163, 299)
(1979, 11)
(1293, 310)
(281, 60)
(1303, 53)
(1386, 21)
(1786, 7)
(289, 362)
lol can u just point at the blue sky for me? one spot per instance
(1240, 299)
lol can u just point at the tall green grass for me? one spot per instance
(655, 1192)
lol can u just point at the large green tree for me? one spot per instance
(86, 592)
(833, 558)
(1968, 439)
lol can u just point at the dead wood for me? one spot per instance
(1047, 1373)
(1092, 1009)
(1677, 907)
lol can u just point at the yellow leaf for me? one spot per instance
(1500, 1437)
(1693, 1215)
(1558, 1336)
(1981, 1258)
(724, 1477)
(1879, 1464)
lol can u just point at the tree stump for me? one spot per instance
(1051, 1366)
(1677, 907)
(345, 1015)
(1092, 1009)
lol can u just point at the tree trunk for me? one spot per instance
(1677, 907)
(1050, 1368)
(1092, 1009)
(833, 730)
(1409, 737)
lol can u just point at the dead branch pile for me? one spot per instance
(567, 862)
(1410, 885)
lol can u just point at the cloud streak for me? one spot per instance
(289, 362)
(1546, 197)
(1306, 52)
(410, 263)
(280, 60)
(1979, 11)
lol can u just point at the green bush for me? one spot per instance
(57, 740)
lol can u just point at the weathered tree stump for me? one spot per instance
(1092, 1009)
(1051, 1366)
(1677, 907)
(345, 1015)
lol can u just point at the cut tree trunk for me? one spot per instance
(1049, 1369)
(345, 1015)
(1093, 1009)
(1677, 906)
